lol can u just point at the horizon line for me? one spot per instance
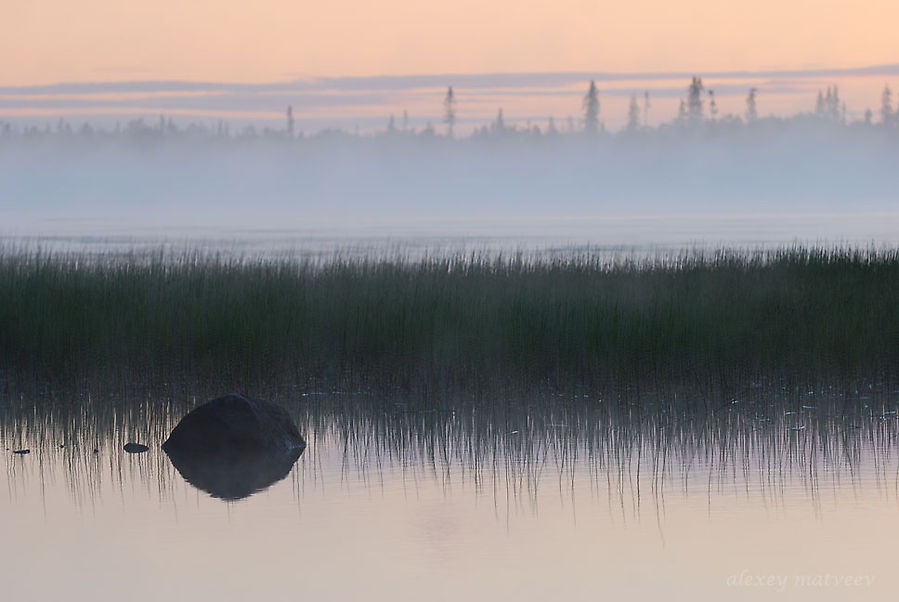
(468, 80)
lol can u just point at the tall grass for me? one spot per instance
(706, 318)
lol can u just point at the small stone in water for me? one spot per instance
(22, 451)
(135, 448)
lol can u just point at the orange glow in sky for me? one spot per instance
(46, 41)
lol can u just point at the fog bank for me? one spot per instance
(388, 183)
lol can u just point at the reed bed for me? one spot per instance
(466, 322)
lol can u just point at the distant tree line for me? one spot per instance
(697, 111)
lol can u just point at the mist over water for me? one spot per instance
(670, 188)
(720, 169)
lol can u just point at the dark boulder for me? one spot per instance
(234, 446)
(234, 423)
(135, 448)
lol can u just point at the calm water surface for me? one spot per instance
(645, 233)
(573, 497)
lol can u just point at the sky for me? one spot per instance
(351, 63)
(273, 40)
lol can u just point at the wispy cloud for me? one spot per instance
(411, 82)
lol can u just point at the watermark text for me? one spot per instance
(781, 583)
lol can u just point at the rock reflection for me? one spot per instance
(234, 476)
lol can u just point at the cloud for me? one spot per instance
(412, 82)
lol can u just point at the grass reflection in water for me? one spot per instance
(631, 450)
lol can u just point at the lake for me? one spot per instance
(638, 232)
(638, 492)
(577, 496)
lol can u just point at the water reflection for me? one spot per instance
(626, 449)
(632, 495)
(234, 476)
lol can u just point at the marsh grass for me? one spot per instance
(708, 319)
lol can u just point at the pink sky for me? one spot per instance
(47, 41)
